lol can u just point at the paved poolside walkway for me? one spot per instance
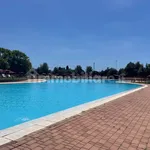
(123, 124)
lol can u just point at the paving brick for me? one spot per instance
(94, 148)
(123, 124)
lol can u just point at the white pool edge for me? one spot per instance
(23, 82)
(19, 131)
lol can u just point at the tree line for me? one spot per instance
(130, 70)
(19, 62)
(14, 60)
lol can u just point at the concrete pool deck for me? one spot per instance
(120, 124)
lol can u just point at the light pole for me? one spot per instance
(94, 66)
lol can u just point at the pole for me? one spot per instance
(94, 66)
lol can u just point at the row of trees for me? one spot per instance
(14, 60)
(64, 71)
(19, 62)
(131, 70)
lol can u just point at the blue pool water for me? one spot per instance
(23, 102)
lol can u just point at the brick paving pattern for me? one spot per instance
(123, 124)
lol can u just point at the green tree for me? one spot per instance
(102, 73)
(138, 68)
(19, 62)
(105, 73)
(147, 70)
(130, 70)
(89, 70)
(121, 71)
(112, 72)
(95, 73)
(5, 57)
(4, 64)
(43, 69)
(61, 71)
(68, 71)
(55, 71)
(67, 68)
(141, 71)
(78, 70)
(5, 53)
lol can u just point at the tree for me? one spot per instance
(89, 70)
(130, 70)
(19, 62)
(94, 73)
(5, 56)
(67, 67)
(4, 64)
(141, 71)
(68, 71)
(102, 73)
(147, 70)
(5, 53)
(15, 60)
(55, 71)
(121, 71)
(78, 70)
(62, 71)
(112, 72)
(43, 69)
(105, 73)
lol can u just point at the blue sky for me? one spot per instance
(72, 32)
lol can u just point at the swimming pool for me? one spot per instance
(23, 102)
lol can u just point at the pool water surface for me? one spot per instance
(23, 102)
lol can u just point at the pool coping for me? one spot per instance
(19, 131)
(26, 81)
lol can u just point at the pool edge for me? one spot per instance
(23, 82)
(18, 131)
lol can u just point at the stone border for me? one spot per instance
(18, 131)
(26, 81)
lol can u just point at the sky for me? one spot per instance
(77, 32)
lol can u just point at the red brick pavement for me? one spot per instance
(123, 124)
